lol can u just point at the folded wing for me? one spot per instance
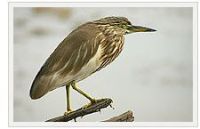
(66, 60)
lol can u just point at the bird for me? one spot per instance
(87, 49)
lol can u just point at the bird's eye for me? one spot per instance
(123, 26)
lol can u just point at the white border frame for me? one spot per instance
(194, 5)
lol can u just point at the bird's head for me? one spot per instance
(122, 24)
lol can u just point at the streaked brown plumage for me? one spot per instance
(87, 49)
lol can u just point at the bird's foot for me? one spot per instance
(68, 112)
(93, 101)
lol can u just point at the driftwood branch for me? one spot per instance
(103, 103)
(125, 117)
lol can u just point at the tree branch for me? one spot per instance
(125, 117)
(102, 103)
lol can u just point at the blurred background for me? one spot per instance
(152, 76)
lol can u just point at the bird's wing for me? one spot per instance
(68, 58)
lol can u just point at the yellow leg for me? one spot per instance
(68, 99)
(75, 87)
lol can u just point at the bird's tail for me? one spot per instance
(39, 87)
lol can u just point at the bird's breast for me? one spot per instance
(111, 48)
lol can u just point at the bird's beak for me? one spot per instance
(132, 29)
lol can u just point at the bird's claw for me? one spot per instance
(89, 104)
(67, 112)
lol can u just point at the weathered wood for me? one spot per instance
(125, 117)
(102, 103)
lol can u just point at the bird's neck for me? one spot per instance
(111, 45)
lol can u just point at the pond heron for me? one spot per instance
(86, 50)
